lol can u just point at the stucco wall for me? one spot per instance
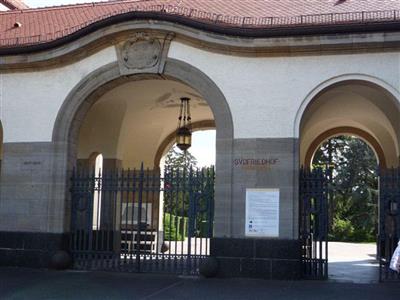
(264, 93)
(30, 101)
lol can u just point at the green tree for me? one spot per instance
(353, 202)
(178, 165)
(183, 178)
(177, 159)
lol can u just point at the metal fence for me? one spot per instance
(314, 223)
(314, 198)
(389, 225)
(140, 221)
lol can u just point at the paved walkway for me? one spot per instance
(29, 284)
(350, 262)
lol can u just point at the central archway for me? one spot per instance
(91, 88)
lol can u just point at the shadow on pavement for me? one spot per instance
(29, 284)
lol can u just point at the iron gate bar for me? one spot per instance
(389, 222)
(313, 231)
(314, 198)
(115, 222)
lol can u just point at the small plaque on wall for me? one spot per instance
(262, 212)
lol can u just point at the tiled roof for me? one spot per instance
(14, 4)
(43, 25)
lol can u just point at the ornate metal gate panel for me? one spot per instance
(389, 222)
(314, 223)
(140, 221)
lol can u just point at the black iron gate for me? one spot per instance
(389, 222)
(314, 190)
(314, 223)
(140, 221)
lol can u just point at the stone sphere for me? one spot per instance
(61, 260)
(209, 267)
(164, 248)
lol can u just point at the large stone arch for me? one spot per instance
(355, 93)
(352, 104)
(169, 141)
(331, 82)
(365, 136)
(90, 88)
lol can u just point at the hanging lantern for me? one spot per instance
(184, 131)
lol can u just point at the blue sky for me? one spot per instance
(203, 147)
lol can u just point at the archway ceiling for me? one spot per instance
(354, 105)
(131, 121)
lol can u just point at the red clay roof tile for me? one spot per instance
(43, 25)
(14, 4)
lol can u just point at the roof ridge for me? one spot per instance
(53, 23)
(14, 4)
(70, 6)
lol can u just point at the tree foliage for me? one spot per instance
(177, 159)
(353, 188)
(187, 196)
(178, 165)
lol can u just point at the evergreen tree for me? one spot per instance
(177, 159)
(178, 165)
(353, 202)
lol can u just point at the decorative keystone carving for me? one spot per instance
(143, 53)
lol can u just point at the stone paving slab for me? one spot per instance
(30, 284)
(353, 262)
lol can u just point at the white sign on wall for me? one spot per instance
(262, 212)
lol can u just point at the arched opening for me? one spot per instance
(128, 125)
(207, 126)
(128, 119)
(174, 218)
(353, 107)
(350, 131)
(361, 114)
(353, 191)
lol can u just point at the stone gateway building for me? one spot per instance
(100, 86)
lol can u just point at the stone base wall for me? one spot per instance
(28, 249)
(257, 258)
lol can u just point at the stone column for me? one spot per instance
(262, 164)
(33, 206)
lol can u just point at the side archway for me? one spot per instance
(353, 106)
(365, 136)
(91, 88)
(385, 87)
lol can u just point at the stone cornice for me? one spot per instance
(215, 42)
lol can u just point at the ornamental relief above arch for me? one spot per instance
(143, 53)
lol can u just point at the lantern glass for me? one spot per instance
(183, 138)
